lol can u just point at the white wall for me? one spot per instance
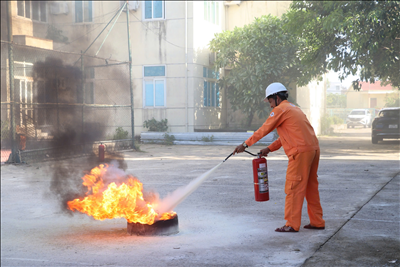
(312, 101)
(247, 11)
(203, 33)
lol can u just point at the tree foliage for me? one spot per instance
(346, 35)
(336, 101)
(256, 55)
(392, 100)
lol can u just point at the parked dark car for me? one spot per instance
(386, 125)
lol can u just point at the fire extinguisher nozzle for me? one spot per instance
(228, 157)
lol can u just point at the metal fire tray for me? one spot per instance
(162, 227)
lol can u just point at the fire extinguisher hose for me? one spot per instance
(252, 153)
(244, 151)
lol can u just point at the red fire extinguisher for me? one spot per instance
(260, 174)
(101, 152)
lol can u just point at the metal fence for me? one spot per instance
(53, 99)
(344, 112)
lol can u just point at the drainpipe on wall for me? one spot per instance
(186, 67)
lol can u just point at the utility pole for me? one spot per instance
(83, 96)
(14, 145)
(130, 75)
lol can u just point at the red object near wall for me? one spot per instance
(22, 142)
(260, 174)
(101, 152)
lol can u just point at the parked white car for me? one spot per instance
(359, 117)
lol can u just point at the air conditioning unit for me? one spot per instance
(59, 7)
(132, 5)
(231, 3)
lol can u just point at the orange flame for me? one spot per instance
(116, 201)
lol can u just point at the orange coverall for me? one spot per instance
(298, 139)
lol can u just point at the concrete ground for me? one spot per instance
(220, 223)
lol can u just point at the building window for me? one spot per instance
(83, 11)
(35, 10)
(24, 94)
(211, 88)
(154, 86)
(23, 84)
(154, 9)
(211, 11)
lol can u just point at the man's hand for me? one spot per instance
(264, 152)
(239, 149)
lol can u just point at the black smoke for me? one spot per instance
(76, 129)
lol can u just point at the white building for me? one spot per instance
(172, 65)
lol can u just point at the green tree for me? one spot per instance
(392, 100)
(348, 35)
(336, 101)
(258, 54)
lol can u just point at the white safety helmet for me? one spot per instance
(274, 88)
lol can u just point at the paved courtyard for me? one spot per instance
(220, 223)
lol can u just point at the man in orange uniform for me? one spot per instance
(298, 139)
